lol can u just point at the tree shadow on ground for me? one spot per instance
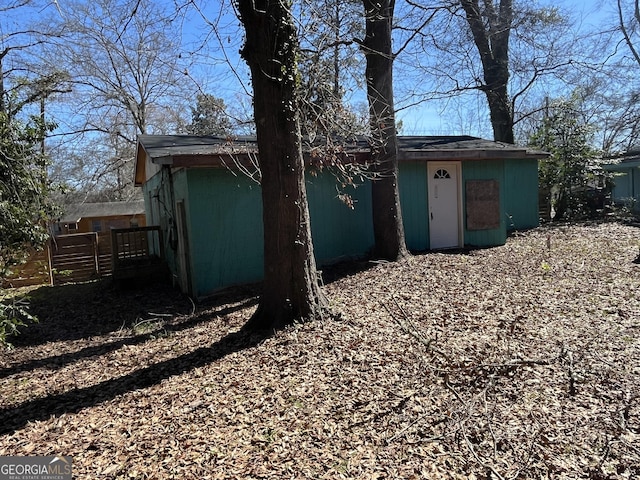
(72, 401)
(85, 310)
(336, 271)
(56, 362)
(81, 311)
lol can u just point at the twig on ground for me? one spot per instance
(566, 353)
(400, 433)
(412, 329)
(477, 457)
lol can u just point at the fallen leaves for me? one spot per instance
(520, 361)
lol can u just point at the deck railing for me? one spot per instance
(134, 249)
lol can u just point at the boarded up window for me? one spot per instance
(483, 204)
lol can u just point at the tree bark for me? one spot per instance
(492, 42)
(3, 108)
(291, 290)
(388, 229)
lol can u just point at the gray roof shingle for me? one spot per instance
(160, 146)
(76, 211)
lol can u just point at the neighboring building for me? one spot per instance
(100, 217)
(455, 192)
(626, 180)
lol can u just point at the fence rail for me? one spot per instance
(74, 258)
(79, 257)
(35, 271)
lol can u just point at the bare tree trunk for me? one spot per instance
(388, 229)
(500, 110)
(291, 290)
(3, 108)
(491, 35)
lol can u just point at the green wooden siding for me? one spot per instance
(226, 240)
(226, 234)
(630, 187)
(339, 232)
(623, 186)
(626, 185)
(521, 194)
(224, 216)
(412, 183)
(484, 170)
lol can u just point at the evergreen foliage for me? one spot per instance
(209, 117)
(571, 180)
(25, 205)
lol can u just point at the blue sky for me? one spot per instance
(221, 72)
(468, 114)
(464, 115)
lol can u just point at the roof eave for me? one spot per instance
(459, 155)
(139, 174)
(619, 167)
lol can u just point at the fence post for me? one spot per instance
(96, 260)
(114, 250)
(50, 260)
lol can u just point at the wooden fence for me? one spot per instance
(80, 257)
(35, 271)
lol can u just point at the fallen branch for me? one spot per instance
(413, 330)
(403, 431)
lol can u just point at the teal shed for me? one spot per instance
(626, 180)
(204, 193)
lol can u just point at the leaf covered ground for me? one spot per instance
(520, 361)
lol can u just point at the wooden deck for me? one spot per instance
(137, 252)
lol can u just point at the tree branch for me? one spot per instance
(624, 31)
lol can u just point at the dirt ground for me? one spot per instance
(520, 361)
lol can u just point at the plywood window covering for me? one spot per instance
(483, 204)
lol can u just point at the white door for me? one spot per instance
(444, 205)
